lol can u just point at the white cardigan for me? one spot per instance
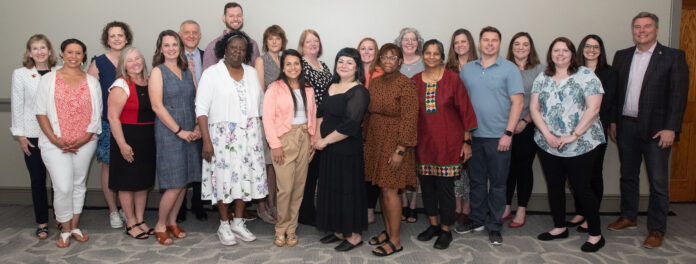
(46, 105)
(218, 99)
(25, 83)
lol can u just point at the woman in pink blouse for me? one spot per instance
(68, 108)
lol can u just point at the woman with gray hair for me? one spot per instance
(411, 43)
(132, 131)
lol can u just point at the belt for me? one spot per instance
(630, 118)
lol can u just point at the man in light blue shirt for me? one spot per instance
(495, 87)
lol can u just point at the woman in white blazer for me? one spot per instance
(38, 60)
(68, 109)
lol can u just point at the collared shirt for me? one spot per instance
(639, 65)
(490, 90)
(198, 61)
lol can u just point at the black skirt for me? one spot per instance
(341, 196)
(140, 174)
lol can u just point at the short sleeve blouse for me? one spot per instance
(563, 105)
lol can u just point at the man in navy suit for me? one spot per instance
(650, 103)
(190, 33)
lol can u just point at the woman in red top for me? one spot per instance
(445, 121)
(132, 131)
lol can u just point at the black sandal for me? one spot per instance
(412, 215)
(150, 231)
(142, 235)
(374, 241)
(382, 252)
(40, 230)
(405, 212)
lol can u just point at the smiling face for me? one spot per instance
(409, 43)
(461, 45)
(274, 43)
(489, 44)
(367, 51)
(235, 52)
(432, 56)
(346, 67)
(117, 38)
(292, 67)
(644, 31)
(311, 45)
(170, 48)
(233, 18)
(39, 52)
(521, 48)
(591, 50)
(73, 55)
(389, 61)
(560, 55)
(190, 35)
(134, 63)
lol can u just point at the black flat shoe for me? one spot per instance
(589, 247)
(346, 246)
(581, 229)
(429, 233)
(200, 214)
(571, 224)
(330, 238)
(443, 240)
(546, 236)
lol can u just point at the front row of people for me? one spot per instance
(424, 126)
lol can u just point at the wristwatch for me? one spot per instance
(508, 133)
(400, 152)
(467, 141)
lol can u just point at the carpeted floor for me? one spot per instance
(106, 245)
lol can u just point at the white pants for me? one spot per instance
(68, 176)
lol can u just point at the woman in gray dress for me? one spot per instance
(172, 91)
(268, 68)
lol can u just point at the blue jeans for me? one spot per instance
(488, 172)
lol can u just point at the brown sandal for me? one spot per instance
(176, 231)
(163, 238)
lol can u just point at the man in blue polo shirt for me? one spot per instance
(495, 88)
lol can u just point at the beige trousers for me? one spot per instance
(291, 176)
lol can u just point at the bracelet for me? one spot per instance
(178, 131)
(575, 134)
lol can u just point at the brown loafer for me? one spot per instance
(622, 223)
(653, 240)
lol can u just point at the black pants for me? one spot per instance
(37, 175)
(308, 212)
(438, 197)
(372, 195)
(521, 175)
(578, 170)
(196, 203)
(597, 181)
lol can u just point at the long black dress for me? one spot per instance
(341, 197)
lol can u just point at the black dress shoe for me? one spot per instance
(330, 238)
(346, 246)
(200, 214)
(180, 218)
(581, 229)
(589, 247)
(571, 224)
(546, 236)
(443, 240)
(429, 233)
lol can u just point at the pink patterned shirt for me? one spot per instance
(74, 109)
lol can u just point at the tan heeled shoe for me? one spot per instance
(279, 240)
(292, 240)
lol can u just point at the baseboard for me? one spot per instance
(538, 202)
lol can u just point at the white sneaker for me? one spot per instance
(241, 231)
(115, 220)
(225, 234)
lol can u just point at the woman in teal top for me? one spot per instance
(565, 105)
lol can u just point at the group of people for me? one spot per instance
(281, 127)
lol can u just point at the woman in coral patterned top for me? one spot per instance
(68, 108)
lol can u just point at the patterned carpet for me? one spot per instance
(108, 245)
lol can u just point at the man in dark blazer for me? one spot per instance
(190, 33)
(650, 103)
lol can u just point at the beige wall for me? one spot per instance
(340, 24)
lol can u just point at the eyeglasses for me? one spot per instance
(411, 40)
(591, 47)
(391, 58)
